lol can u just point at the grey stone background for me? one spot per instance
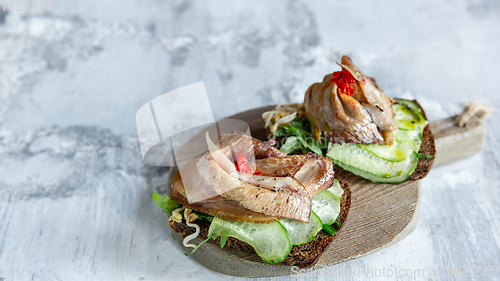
(74, 192)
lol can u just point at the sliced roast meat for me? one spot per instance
(314, 172)
(281, 185)
(272, 196)
(218, 206)
(349, 107)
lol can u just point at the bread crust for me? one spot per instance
(302, 256)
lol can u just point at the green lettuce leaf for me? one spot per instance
(291, 144)
(223, 240)
(300, 131)
(204, 217)
(165, 203)
(328, 228)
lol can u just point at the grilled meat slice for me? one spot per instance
(217, 206)
(251, 147)
(350, 109)
(315, 173)
(325, 110)
(272, 196)
(281, 186)
(191, 185)
(266, 149)
(376, 103)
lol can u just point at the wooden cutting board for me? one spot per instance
(381, 215)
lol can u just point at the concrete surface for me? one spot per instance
(75, 195)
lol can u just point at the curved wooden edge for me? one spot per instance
(408, 229)
(353, 241)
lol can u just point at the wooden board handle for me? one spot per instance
(454, 143)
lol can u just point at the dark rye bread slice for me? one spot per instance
(302, 256)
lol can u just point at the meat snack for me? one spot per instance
(255, 198)
(350, 120)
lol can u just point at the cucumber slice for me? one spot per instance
(326, 205)
(408, 136)
(336, 189)
(396, 152)
(352, 155)
(270, 240)
(382, 163)
(410, 104)
(408, 119)
(325, 209)
(300, 232)
(411, 137)
(407, 139)
(412, 165)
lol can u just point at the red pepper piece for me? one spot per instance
(345, 81)
(241, 163)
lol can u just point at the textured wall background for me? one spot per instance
(74, 193)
